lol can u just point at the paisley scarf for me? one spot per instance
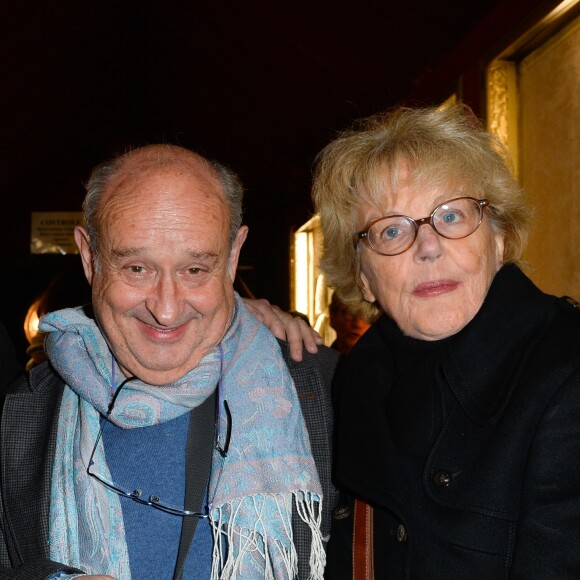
(269, 468)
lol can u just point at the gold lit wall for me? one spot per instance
(534, 107)
(549, 82)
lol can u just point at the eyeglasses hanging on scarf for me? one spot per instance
(199, 418)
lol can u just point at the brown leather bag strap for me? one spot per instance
(363, 567)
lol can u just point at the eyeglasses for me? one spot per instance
(453, 219)
(154, 500)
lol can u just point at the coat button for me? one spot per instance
(401, 534)
(340, 512)
(442, 478)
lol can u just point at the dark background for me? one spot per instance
(259, 85)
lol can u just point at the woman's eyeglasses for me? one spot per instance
(394, 234)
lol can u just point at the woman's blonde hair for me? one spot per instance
(440, 146)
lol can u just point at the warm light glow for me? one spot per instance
(301, 292)
(560, 9)
(31, 322)
(310, 293)
(448, 102)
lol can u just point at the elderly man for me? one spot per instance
(165, 437)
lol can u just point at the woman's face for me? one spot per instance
(438, 285)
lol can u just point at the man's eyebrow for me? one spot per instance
(203, 255)
(126, 252)
(133, 251)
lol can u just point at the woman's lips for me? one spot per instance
(435, 288)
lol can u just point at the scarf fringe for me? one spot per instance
(310, 511)
(240, 553)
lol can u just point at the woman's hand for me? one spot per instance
(286, 327)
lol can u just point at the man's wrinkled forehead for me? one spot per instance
(138, 166)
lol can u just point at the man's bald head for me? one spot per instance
(109, 176)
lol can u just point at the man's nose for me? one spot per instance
(164, 301)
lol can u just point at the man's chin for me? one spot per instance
(158, 373)
(160, 378)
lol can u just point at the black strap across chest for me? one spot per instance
(198, 457)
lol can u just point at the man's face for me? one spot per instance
(163, 288)
(348, 327)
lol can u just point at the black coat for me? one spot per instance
(498, 495)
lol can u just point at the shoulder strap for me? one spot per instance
(198, 456)
(362, 542)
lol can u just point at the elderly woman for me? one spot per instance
(458, 427)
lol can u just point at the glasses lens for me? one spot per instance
(457, 218)
(391, 235)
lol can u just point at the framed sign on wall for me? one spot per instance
(52, 232)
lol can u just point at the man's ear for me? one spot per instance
(82, 240)
(235, 252)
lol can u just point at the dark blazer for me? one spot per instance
(28, 427)
(312, 378)
(498, 492)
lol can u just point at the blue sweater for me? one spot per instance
(153, 460)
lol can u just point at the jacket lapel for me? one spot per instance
(315, 402)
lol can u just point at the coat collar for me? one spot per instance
(478, 363)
